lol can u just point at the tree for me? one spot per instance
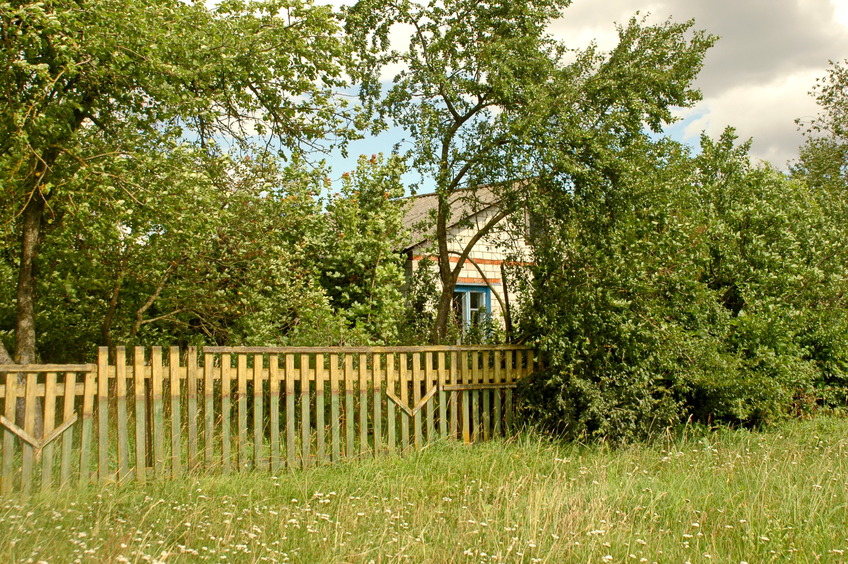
(220, 257)
(88, 88)
(360, 269)
(489, 98)
(823, 159)
(703, 287)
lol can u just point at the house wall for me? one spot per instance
(489, 253)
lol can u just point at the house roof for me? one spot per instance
(420, 213)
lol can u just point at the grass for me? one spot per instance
(725, 496)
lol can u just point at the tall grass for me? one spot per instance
(725, 496)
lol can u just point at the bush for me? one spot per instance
(688, 287)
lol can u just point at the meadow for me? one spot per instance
(698, 495)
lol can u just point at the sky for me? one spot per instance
(757, 78)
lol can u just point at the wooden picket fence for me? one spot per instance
(162, 413)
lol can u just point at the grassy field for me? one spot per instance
(726, 496)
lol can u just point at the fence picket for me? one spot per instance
(349, 417)
(290, 436)
(454, 400)
(49, 425)
(226, 412)
(363, 405)
(417, 382)
(274, 416)
(334, 407)
(443, 412)
(176, 418)
(89, 391)
(496, 380)
(8, 436)
(320, 376)
(208, 408)
(487, 395)
(191, 376)
(102, 413)
(121, 400)
(68, 436)
(404, 400)
(428, 377)
(241, 376)
(377, 400)
(27, 454)
(156, 377)
(140, 413)
(304, 410)
(390, 404)
(258, 420)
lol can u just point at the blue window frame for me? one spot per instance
(470, 303)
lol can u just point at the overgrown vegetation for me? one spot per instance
(725, 496)
(161, 187)
(688, 287)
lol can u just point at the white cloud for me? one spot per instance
(758, 75)
(764, 112)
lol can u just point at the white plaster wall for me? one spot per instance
(488, 253)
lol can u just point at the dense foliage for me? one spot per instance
(160, 186)
(687, 286)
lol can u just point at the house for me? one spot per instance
(483, 285)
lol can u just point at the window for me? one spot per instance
(470, 304)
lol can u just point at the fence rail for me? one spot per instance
(154, 412)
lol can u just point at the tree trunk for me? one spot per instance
(25, 351)
(446, 275)
(25, 312)
(5, 357)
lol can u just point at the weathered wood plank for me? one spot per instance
(349, 416)
(466, 372)
(103, 413)
(403, 380)
(258, 416)
(87, 423)
(305, 426)
(157, 388)
(320, 431)
(226, 412)
(274, 416)
(44, 368)
(27, 453)
(140, 415)
(485, 380)
(430, 380)
(191, 376)
(121, 406)
(454, 396)
(241, 376)
(443, 397)
(511, 368)
(391, 417)
(377, 400)
(68, 436)
(497, 380)
(335, 415)
(208, 409)
(176, 417)
(363, 405)
(291, 450)
(8, 436)
(49, 426)
(417, 382)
